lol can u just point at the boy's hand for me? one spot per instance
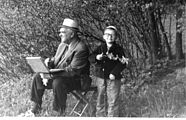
(112, 77)
(125, 60)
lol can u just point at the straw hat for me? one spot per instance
(69, 23)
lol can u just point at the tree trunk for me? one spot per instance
(165, 36)
(179, 50)
(170, 30)
(155, 42)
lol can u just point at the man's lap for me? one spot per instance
(71, 83)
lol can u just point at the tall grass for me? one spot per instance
(14, 96)
(165, 98)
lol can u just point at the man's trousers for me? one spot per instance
(60, 85)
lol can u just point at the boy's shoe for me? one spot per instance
(36, 109)
(59, 113)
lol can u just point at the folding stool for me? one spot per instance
(82, 100)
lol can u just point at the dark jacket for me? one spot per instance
(103, 68)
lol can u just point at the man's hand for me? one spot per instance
(99, 56)
(111, 77)
(45, 81)
(46, 61)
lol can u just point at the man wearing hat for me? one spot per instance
(109, 59)
(72, 58)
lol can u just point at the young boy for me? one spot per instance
(110, 61)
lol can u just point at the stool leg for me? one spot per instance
(74, 107)
(84, 109)
(81, 99)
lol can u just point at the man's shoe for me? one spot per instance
(27, 114)
(36, 109)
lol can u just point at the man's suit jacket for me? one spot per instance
(74, 61)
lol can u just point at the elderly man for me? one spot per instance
(72, 58)
(109, 61)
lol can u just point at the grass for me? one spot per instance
(163, 98)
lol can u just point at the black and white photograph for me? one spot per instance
(92, 59)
